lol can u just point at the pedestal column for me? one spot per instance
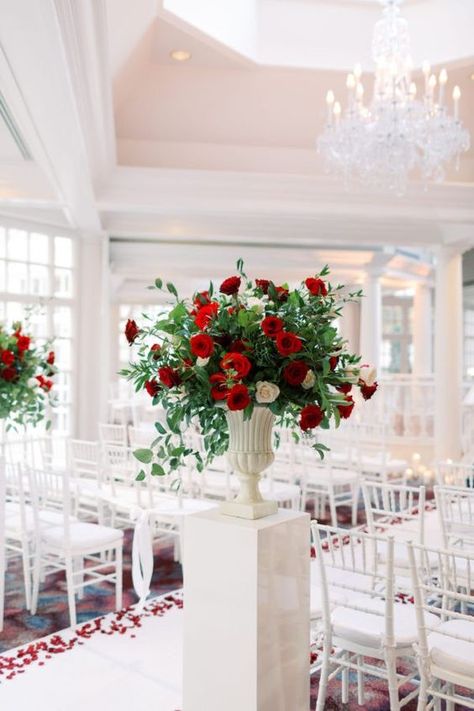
(422, 331)
(448, 354)
(246, 612)
(371, 320)
(349, 326)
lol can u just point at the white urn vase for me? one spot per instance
(250, 453)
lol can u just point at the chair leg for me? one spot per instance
(323, 679)
(2, 584)
(391, 664)
(360, 681)
(355, 504)
(78, 567)
(70, 592)
(345, 680)
(119, 578)
(450, 704)
(26, 554)
(36, 581)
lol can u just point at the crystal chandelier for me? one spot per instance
(383, 141)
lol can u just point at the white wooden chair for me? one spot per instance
(87, 552)
(323, 482)
(398, 511)
(86, 483)
(375, 461)
(3, 494)
(455, 506)
(450, 473)
(445, 647)
(368, 624)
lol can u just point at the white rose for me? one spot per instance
(351, 373)
(33, 383)
(202, 362)
(368, 374)
(309, 380)
(253, 302)
(266, 392)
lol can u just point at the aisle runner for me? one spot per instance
(116, 623)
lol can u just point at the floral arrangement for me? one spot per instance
(251, 344)
(25, 377)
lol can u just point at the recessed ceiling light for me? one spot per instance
(472, 76)
(180, 55)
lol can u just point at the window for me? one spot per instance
(36, 269)
(397, 327)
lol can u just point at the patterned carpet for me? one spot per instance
(21, 628)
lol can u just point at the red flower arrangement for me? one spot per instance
(251, 344)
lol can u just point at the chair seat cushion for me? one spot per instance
(83, 536)
(455, 655)
(367, 629)
(13, 523)
(335, 579)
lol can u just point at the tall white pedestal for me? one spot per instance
(246, 612)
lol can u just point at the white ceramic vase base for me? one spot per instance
(250, 453)
(250, 511)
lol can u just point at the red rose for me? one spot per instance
(201, 299)
(219, 388)
(288, 343)
(240, 346)
(344, 388)
(295, 372)
(169, 377)
(262, 284)
(282, 293)
(152, 387)
(9, 373)
(271, 325)
(23, 343)
(205, 314)
(50, 358)
(316, 287)
(47, 385)
(311, 416)
(237, 362)
(333, 361)
(230, 286)
(368, 390)
(238, 398)
(202, 345)
(131, 331)
(8, 357)
(346, 410)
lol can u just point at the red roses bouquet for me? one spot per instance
(25, 377)
(251, 344)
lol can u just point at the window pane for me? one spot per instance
(62, 322)
(62, 347)
(15, 312)
(2, 275)
(63, 283)
(39, 280)
(39, 324)
(17, 278)
(63, 251)
(17, 245)
(39, 248)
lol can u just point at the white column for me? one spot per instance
(349, 326)
(448, 354)
(422, 331)
(92, 352)
(371, 320)
(246, 612)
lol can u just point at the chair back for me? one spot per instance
(455, 506)
(113, 434)
(84, 459)
(360, 580)
(455, 474)
(50, 491)
(389, 504)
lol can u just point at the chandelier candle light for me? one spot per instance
(402, 129)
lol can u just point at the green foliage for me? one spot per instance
(238, 318)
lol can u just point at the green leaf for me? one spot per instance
(143, 455)
(157, 470)
(140, 476)
(172, 289)
(160, 428)
(158, 283)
